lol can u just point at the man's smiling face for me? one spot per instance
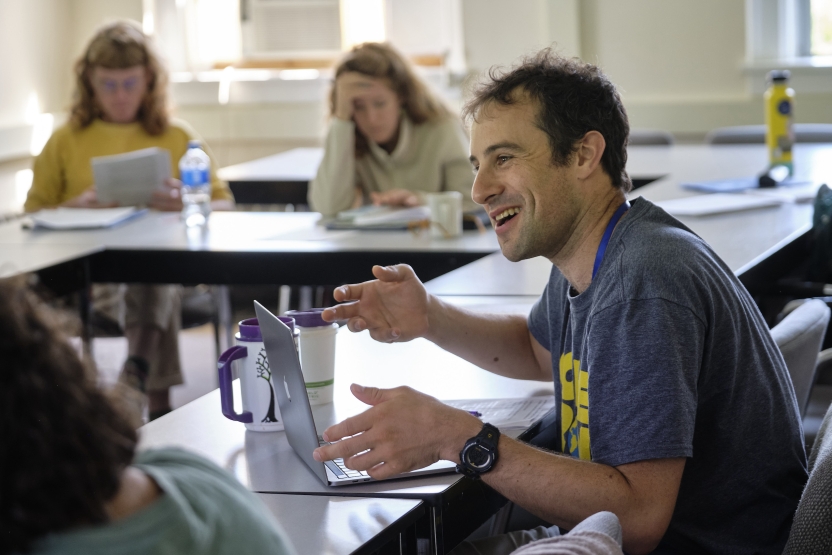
(533, 204)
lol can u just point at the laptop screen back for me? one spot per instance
(290, 388)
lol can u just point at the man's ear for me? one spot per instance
(588, 155)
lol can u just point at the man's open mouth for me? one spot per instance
(506, 215)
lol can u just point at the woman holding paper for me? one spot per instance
(120, 105)
(390, 140)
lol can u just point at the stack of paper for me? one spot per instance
(83, 218)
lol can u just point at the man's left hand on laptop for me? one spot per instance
(398, 433)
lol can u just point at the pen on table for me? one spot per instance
(476, 413)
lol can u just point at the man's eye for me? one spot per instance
(503, 159)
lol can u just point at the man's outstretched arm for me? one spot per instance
(404, 430)
(396, 307)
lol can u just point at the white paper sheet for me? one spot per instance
(83, 218)
(130, 178)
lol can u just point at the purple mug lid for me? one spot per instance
(250, 328)
(309, 318)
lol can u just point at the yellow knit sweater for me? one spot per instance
(63, 170)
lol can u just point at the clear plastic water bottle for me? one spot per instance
(195, 173)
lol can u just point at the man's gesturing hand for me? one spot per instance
(402, 431)
(393, 307)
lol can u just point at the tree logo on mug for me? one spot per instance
(263, 371)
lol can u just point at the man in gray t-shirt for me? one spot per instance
(665, 355)
(676, 410)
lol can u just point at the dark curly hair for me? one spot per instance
(121, 45)
(573, 98)
(63, 446)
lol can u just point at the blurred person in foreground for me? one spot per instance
(120, 105)
(70, 479)
(390, 139)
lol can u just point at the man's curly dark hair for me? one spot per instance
(63, 446)
(573, 98)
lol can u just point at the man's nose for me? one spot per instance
(485, 187)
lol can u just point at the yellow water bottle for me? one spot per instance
(779, 98)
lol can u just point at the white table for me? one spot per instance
(266, 463)
(751, 242)
(321, 525)
(278, 179)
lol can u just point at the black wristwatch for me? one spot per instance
(480, 453)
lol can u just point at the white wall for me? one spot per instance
(89, 15)
(497, 32)
(39, 42)
(678, 63)
(33, 59)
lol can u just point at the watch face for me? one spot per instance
(478, 456)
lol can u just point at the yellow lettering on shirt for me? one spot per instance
(574, 407)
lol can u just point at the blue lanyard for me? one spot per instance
(602, 248)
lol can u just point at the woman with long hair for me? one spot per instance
(120, 105)
(70, 479)
(390, 139)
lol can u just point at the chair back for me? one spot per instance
(799, 336)
(811, 532)
(756, 134)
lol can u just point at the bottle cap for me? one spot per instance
(194, 143)
(779, 75)
(308, 318)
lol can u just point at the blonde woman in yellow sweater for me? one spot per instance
(120, 105)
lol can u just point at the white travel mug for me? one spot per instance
(317, 353)
(260, 410)
(445, 214)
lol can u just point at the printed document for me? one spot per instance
(507, 413)
(130, 178)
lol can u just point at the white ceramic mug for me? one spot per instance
(260, 410)
(445, 214)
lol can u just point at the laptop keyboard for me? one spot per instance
(337, 467)
(342, 472)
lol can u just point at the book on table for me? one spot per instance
(379, 218)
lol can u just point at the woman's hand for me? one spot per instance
(88, 199)
(395, 197)
(168, 198)
(348, 87)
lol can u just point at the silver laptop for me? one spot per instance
(290, 390)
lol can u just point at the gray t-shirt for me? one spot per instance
(203, 510)
(666, 355)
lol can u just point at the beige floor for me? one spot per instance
(198, 358)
